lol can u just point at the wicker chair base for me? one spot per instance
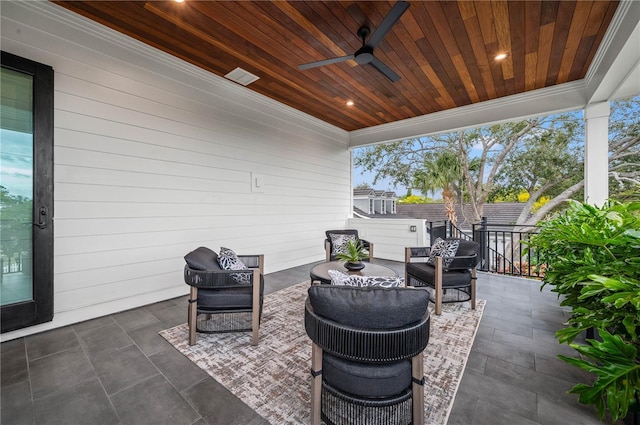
(339, 408)
(451, 295)
(223, 322)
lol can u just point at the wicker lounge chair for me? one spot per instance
(367, 365)
(224, 300)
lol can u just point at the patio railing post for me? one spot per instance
(479, 234)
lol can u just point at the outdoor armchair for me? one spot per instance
(449, 275)
(367, 361)
(336, 239)
(224, 300)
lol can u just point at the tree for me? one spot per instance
(442, 171)
(15, 225)
(363, 186)
(535, 165)
(481, 153)
(624, 164)
(542, 156)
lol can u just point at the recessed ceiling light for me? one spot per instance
(350, 103)
(500, 56)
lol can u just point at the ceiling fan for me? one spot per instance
(364, 55)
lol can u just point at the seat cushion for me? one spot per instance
(366, 379)
(225, 298)
(427, 273)
(202, 258)
(369, 308)
(466, 248)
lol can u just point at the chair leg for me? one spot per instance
(316, 384)
(193, 313)
(438, 279)
(255, 313)
(417, 389)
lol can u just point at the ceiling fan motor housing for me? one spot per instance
(364, 55)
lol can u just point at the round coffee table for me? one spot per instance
(320, 273)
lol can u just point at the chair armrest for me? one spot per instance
(461, 262)
(214, 278)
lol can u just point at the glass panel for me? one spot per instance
(16, 186)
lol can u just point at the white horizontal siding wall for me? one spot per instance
(154, 157)
(390, 236)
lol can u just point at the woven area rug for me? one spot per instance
(273, 378)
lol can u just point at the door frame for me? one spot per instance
(40, 308)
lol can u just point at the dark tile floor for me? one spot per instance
(118, 370)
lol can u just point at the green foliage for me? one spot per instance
(442, 171)
(415, 199)
(15, 212)
(363, 186)
(592, 257)
(355, 252)
(615, 364)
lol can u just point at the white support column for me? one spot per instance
(596, 153)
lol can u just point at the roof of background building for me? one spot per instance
(501, 213)
(375, 193)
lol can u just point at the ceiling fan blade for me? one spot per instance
(392, 17)
(388, 72)
(325, 62)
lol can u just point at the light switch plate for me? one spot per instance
(257, 182)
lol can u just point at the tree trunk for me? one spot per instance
(450, 206)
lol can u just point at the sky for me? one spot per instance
(360, 176)
(16, 162)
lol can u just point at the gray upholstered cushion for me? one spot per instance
(427, 273)
(228, 298)
(369, 308)
(202, 258)
(365, 379)
(225, 298)
(466, 248)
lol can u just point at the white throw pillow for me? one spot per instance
(339, 278)
(443, 248)
(339, 243)
(228, 260)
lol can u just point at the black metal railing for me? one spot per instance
(501, 246)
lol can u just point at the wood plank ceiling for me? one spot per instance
(443, 51)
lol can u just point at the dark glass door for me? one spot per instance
(26, 192)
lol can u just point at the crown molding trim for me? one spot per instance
(560, 98)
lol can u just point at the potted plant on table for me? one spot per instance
(354, 253)
(592, 258)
